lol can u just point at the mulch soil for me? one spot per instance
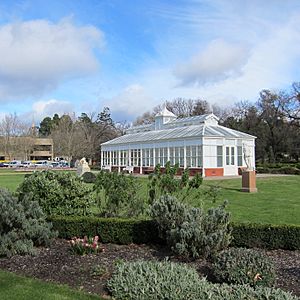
(57, 264)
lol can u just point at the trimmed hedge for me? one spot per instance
(126, 231)
(282, 170)
(110, 230)
(267, 236)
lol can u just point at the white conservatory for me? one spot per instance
(197, 143)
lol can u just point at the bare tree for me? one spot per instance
(66, 137)
(15, 136)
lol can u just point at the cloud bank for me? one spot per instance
(36, 56)
(218, 61)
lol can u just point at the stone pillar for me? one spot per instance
(249, 181)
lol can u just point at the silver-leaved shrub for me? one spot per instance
(244, 266)
(189, 231)
(22, 225)
(151, 280)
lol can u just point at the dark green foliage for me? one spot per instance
(289, 170)
(266, 236)
(126, 231)
(109, 230)
(196, 181)
(22, 225)
(185, 177)
(189, 231)
(58, 193)
(161, 184)
(117, 195)
(244, 266)
(149, 280)
(88, 177)
(279, 168)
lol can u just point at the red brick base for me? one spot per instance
(214, 172)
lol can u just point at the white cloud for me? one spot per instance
(130, 102)
(47, 108)
(218, 61)
(35, 56)
(271, 63)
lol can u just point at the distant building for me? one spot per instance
(42, 149)
(26, 148)
(198, 143)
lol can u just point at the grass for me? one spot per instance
(10, 179)
(276, 202)
(22, 288)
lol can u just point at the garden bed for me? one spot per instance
(57, 264)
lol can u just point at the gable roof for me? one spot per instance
(182, 132)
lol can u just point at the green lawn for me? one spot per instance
(22, 288)
(10, 179)
(277, 200)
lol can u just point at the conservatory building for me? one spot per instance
(198, 143)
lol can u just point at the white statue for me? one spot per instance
(82, 167)
(247, 157)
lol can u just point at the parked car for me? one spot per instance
(3, 165)
(15, 164)
(55, 164)
(27, 164)
(41, 164)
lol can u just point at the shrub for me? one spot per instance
(170, 281)
(88, 177)
(58, 193)
(119, 231)
(22, 225)
(152, 280)
(244, 266)
(126, 231)
(289, 170)
(196, 181)
(267, 236)
(191, 232)
(262, 170)
(117, 195)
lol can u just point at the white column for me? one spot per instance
(110, 158)
(119, 161)
(141, 160)
(129, 157)
(184, 157)
(154, 160)
(101, 159)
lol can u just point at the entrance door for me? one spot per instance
(230, 161)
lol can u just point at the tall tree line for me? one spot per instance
(77, 137)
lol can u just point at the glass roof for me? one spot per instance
(200, 130)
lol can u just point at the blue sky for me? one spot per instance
(78, 56)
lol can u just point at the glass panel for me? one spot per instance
(220, 156)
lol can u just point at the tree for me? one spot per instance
(15, 137)
(45, 127)
(66, 139)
